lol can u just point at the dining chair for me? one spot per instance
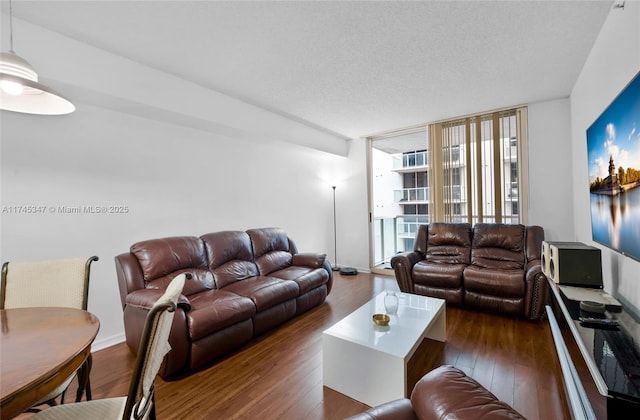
(57, 283)
(140, 401)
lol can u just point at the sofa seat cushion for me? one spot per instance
(503, 283)
(438, 274)
(307, 278)
(215, 310)
(265, 291)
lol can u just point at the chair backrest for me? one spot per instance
(58, 283)
(154, 345)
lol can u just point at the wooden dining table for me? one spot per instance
(39, 349)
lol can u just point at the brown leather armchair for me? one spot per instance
(491, 266)
(445, 392)
(441, 253)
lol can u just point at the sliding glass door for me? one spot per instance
(399, 193)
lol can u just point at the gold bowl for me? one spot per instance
(381, 319)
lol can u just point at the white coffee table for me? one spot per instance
(369, 363)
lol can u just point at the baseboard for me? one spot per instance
(103, 343)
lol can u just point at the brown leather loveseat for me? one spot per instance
(243, 284)
(491, 266)
(444, 393)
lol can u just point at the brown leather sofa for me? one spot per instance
(243, 284)
(492, 266)
(444, 393)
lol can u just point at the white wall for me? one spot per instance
(353, 209)
(550, 181)
(173, 180)
(184, 163)
(612, 63)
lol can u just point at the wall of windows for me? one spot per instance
(481, 159)
(468, 169)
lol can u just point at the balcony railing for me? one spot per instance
(394, 235)
(411, 160)
(411, 194)
(407, 226)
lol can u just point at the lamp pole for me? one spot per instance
(335, 236)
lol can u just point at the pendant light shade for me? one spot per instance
(20, 90)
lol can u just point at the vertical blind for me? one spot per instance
(477, 174)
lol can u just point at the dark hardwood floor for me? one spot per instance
(279, 375)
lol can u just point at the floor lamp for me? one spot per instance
(335, 236)
(346, 271)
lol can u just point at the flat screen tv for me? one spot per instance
(613, 150)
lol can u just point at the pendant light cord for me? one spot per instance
(11, 27)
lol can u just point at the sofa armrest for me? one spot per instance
(403, 265)
(129, 273)
(327, 266)
(145, 298)
(312, 260)
(394, 410)
(537, 290)
(135, 313)
(308, 259)
(447, 392)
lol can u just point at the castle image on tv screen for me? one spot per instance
(613, 150)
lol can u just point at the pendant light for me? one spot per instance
(19, 87)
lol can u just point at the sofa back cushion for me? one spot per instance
(163, 259)
(498, 246)
(230, 256)
(449, 243)
(271, 249)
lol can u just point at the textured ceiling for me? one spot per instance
(348, 67)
